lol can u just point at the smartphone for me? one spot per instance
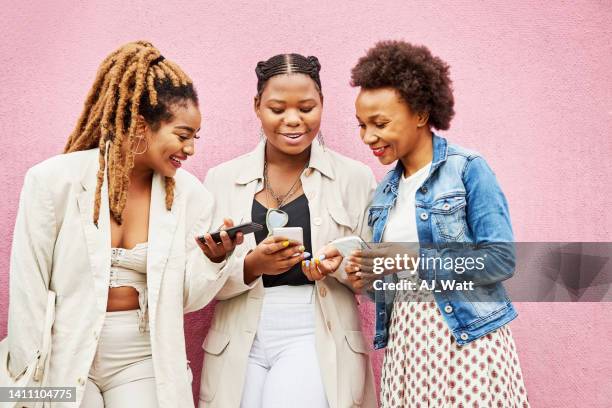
(246, 228)
(346, 245)
(293, 233)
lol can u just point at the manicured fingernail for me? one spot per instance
(303, 263)
(285, 244)
(302, 248)
(306, 255)
(322, 257)
(317, 261)
(307, 264)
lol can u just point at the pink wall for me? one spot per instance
(532, 84)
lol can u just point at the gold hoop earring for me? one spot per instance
(146, 146)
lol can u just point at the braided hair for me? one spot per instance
(287, 64)
(134, 80)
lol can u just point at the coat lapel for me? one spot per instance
(98, 238)
(162, 227)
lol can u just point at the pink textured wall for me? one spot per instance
(532, 84)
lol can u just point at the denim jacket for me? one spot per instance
(460, 201)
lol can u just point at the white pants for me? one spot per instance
(283, 370)
(121, 375)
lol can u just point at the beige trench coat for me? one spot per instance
(57, 246)
(338, 190)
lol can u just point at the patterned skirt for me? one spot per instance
(424, 366)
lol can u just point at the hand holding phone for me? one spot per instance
(274, 255)
(217, 249)
(324, 263)
(246, 228)
(293, 233)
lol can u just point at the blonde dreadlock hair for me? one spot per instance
(134, 80)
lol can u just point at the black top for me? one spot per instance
(299, 216)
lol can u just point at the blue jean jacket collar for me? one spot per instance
(440, 151)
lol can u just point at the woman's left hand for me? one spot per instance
(322, 265)
(218, 252)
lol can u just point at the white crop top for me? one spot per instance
(129, 268)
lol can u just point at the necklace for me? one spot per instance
(280, 198)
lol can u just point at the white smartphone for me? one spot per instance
(293, 233)
(346, 245)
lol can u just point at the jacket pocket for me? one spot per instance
(342, 218)
(214, 347)
(448, 215)
(357, 364)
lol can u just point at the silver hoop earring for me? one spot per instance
(320, 138)
(146, 146)
(262, 136)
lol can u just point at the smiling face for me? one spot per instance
(289, 109)
(388, 125)
(172, 143)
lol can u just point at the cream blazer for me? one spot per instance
(57, 246)
(338, 190)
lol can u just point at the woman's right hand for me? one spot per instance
(360, 266)
(273, 256)
(359, 279)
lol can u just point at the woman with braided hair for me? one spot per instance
(110, 228)
(282, 336)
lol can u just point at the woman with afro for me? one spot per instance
(448, 347)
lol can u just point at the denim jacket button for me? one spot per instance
(464, 336)
(448, 308)
(446, 206)
(424, 189)
(424, 216)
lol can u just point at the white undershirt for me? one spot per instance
(401, 224)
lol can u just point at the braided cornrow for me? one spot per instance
(134, 80)
(287, 64)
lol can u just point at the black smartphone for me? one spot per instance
(246, 228)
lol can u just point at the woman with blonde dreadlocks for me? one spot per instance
(110, 228)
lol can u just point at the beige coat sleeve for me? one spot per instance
(203, 278)
(234, 285)
(30, 271)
